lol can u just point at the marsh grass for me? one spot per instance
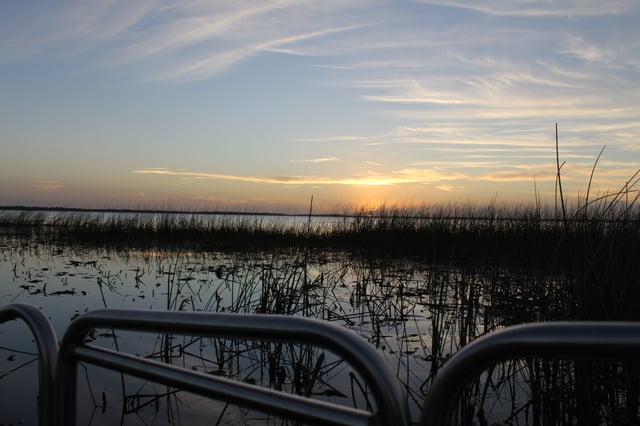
(455, 234)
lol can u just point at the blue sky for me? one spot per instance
(259, 105)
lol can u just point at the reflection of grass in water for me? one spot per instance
(260, 285)
(299, 369)
(399, 305)
(417, 314)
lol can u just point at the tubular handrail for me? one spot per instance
(618, 340)
(390, 397)
(58, 367)
(47, 344)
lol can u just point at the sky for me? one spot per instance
(260, 105)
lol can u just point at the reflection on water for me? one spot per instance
(415, 313)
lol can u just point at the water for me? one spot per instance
(414, 313)
(66, 282)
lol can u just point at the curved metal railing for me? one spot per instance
(391, 405)
(58, 367)
(618, 340)
(47, 344)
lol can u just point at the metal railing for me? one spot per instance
(58, 367)
(47, 344)
(618, 340)
(389, 395)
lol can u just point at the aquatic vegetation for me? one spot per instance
(415, 312)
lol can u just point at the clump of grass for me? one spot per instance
(601, 251)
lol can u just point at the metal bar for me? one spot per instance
(47, 344)
(232, 391)
(618, 340)
(388, 392)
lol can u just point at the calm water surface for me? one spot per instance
(414, 313)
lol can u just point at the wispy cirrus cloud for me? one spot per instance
(69, 28)
(204, 63)
(537, 8)
(181, 40)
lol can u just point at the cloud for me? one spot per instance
(69, 27)
(584, 50)
(47, 185)
(402, 176)
(317, 160)
(517, 176)
(275, 179)
(428, 175)
(181, 40)
(538, 8)
(450, 188)
(204, 63)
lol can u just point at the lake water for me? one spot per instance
(414, 313)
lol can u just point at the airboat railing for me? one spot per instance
(389, 395)
(47, 344)
(58, 367)
(617, 340)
